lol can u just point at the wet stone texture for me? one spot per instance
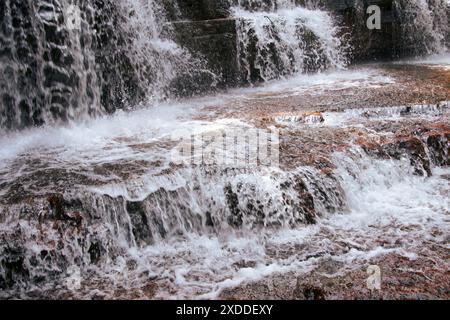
(54, 214)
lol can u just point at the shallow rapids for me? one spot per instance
(372, 182)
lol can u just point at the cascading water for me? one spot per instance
(105, 197)
(47, 69)
(279, 38)
(122, 53)
(159, 62)
(117, 55)
(424, 26)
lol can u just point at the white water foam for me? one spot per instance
(158, 121)
(285, 40)
(438, 61)
(386, 204)
(390, 211)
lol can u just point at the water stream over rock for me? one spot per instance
(96, 200)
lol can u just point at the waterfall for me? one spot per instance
(118, 54)
(124, 53)
(424, 26)
(47, 70)
(279, 38)
(159, 61)
(363, 153)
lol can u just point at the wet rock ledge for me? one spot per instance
(207, 27)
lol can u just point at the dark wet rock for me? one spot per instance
(95, 252)
(141, 228)
(236, 218)
(439, 147)
(314, 53)
(119, 82)
(306, 205)
(415, 150)
(197, 9)
(209, 220)
(247, 207)
(215, 40)
(437, 140)
(53, 77)
(326, 191)
(13, 269)
(56, 205)
(314, 293)
(306, 291)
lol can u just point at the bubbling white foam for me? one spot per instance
(287, 39)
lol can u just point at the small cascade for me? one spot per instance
(103, 228)
(113, 223)
(128, 202)
(280, 38)
(48, 70)
(73, 60)
(160, 64)
(424, 26)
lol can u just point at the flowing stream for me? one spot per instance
(92, 188)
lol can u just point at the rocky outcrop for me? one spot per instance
(427, 147)
(215, 40)
(196, 10)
